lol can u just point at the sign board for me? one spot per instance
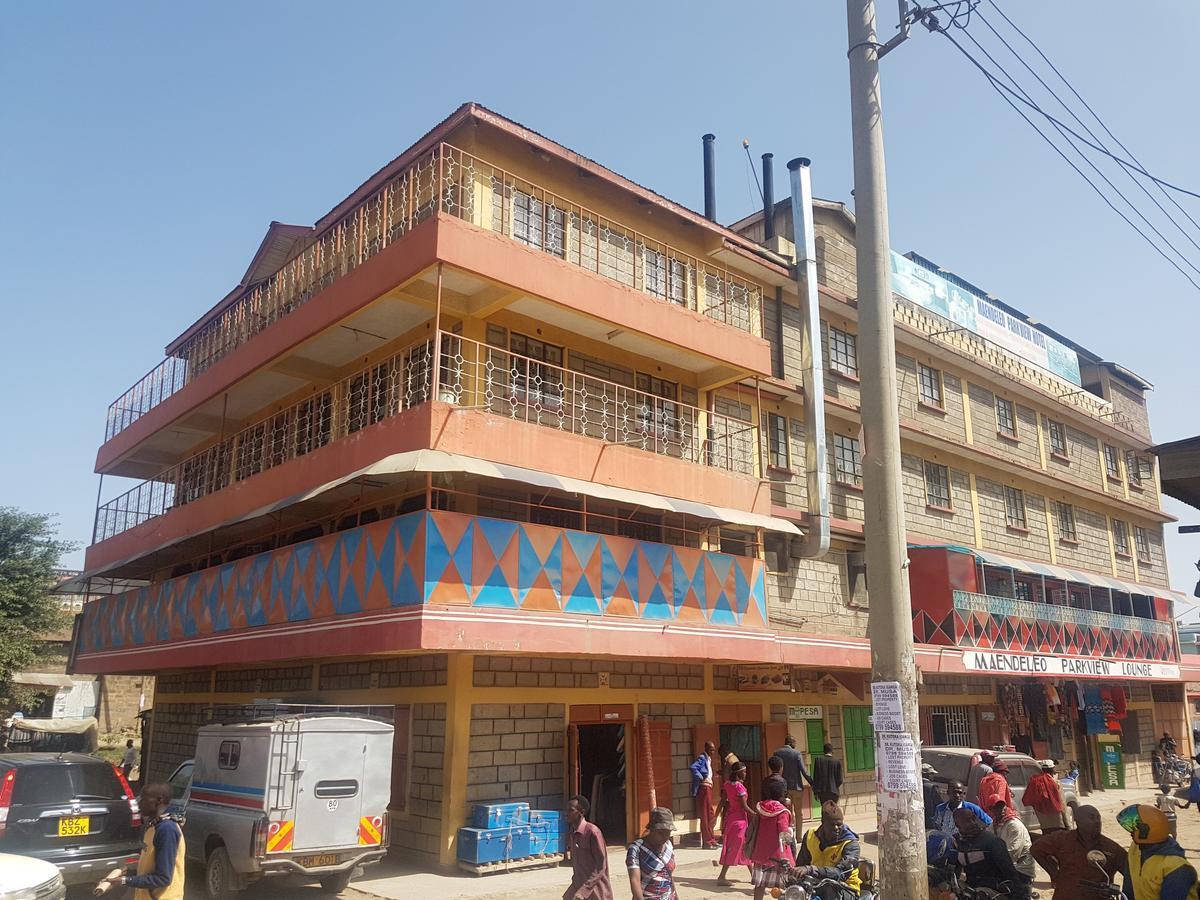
(898, 762)
(765, 677)
(942, 297)
(1033, 664)
(887, 712)
(806, 712)
(1112, 766)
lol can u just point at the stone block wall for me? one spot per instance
(121, 698)
(1031, 543)
(516, 752)
(954, 527)
(682, 717)
(813, 596)
(173, 739)
(427, 670)
(1092, 550)
(420, 828)
(518, 671)
(950, 423)
(985, 428)
(271, 681)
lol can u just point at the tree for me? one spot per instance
(29, 554)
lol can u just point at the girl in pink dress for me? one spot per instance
(734, 812)
(773, 841)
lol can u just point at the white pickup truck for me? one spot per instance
(302, 795)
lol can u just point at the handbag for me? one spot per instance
(751, 836)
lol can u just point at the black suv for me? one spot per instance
(72, 810)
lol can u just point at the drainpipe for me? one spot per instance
(710, 178)
(768, 190)
(816, 539)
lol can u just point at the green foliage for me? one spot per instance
(29, 554)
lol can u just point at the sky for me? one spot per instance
(145, 147)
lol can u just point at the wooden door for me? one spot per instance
(572, 770)
(652, 756)
(774, 736)
(990, 731)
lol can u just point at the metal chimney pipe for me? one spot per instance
(816, 539)
(710, 178)
(768, 181)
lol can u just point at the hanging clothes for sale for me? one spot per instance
(1093, 711)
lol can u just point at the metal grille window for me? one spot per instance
(937, 485)
(847, 460)
(537, 224)
(1006, 417)
(929, 385)
(953, 726)
(1112, 461)
(1065, 513)
(1138, 469)
(1014, 507)
(1120, 533)
(777, 441)
(536, 379)
(657, 414)
(1141, 539)
(1058, 437)
(843, 352)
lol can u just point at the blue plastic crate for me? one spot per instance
(499, 815)
(488, 845)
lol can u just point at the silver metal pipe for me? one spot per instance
(816, 460)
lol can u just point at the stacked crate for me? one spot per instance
(510, 832)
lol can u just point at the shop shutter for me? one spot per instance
(859, 738)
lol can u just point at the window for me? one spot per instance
(228, 754)
(658, 414)
(929, 385)
(1120, 533)
(1141, 539)
(1112, 461)
(1058, 437)
(775, 551)
(537, 224)
(1066, 521)
(843, 352)
(536, 380)
(937, 485)
(1014, 507)
(953, 726)
(1006, 417)
(335, 789)
(847, 461)
(1139, 469)
(860, 738)
(777, 441)
(181, 780)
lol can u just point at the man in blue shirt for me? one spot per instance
(943, 815)
(702, 785)
(795, 774)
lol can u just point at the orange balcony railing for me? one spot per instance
(453, 182)
(469, 374)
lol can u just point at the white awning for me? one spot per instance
(440, 461)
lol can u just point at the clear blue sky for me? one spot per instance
(146, 146)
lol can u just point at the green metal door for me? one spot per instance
(814, 736)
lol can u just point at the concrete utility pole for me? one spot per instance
(901, 820)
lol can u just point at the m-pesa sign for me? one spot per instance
(1070, 666)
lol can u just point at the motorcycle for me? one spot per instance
(810, 886)
(1103, 888)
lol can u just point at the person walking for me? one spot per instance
(943, 814)
(651, 859)
(795, 774)
(1044, 795)
(827, 778)
(978, 772)
(1155, 868)
(589, 855)
(1063, 854)
(160, 864)
(734, 812)
(773, 840)
(128, 758)
(702, 788)
(993, 788)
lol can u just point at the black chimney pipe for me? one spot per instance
(710, 178)
(768, 196)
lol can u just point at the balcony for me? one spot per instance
(472, 376)
(387, 585)
(452, 182)
(982, 621)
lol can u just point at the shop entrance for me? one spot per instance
(602, 776)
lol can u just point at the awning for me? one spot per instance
(1077, 576)
(43, 679)
(440, 461)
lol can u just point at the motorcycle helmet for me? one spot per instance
(1147, 824)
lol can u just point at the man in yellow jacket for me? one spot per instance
(160, 870)
(1155, 869)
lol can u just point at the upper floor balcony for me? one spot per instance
(451, 182)
(473, 378)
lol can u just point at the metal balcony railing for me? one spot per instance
(456, 183)
(470, 374)
(966, 601)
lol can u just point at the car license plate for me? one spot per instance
(74, 826)
(318, 860)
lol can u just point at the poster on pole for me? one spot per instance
(898, 762)
(887, 713)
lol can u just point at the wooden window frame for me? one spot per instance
(1010, 430)
(1120, 533)
(848, 351)
(1064, 514)
(1141, 544)
(1112, 462)
(931, 501)
(779, 451)
(1015, 511)
(930, 387)
(1060, 448)
(847, 460)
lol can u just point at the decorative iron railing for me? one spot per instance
(453, 182)
(470, 374)
(966, 601)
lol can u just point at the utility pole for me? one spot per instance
(901, 819)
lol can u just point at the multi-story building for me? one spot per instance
(516, 448)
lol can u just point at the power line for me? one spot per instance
(1005, 93)
(1085, 127)
(1083, 156)
(1086, 105)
